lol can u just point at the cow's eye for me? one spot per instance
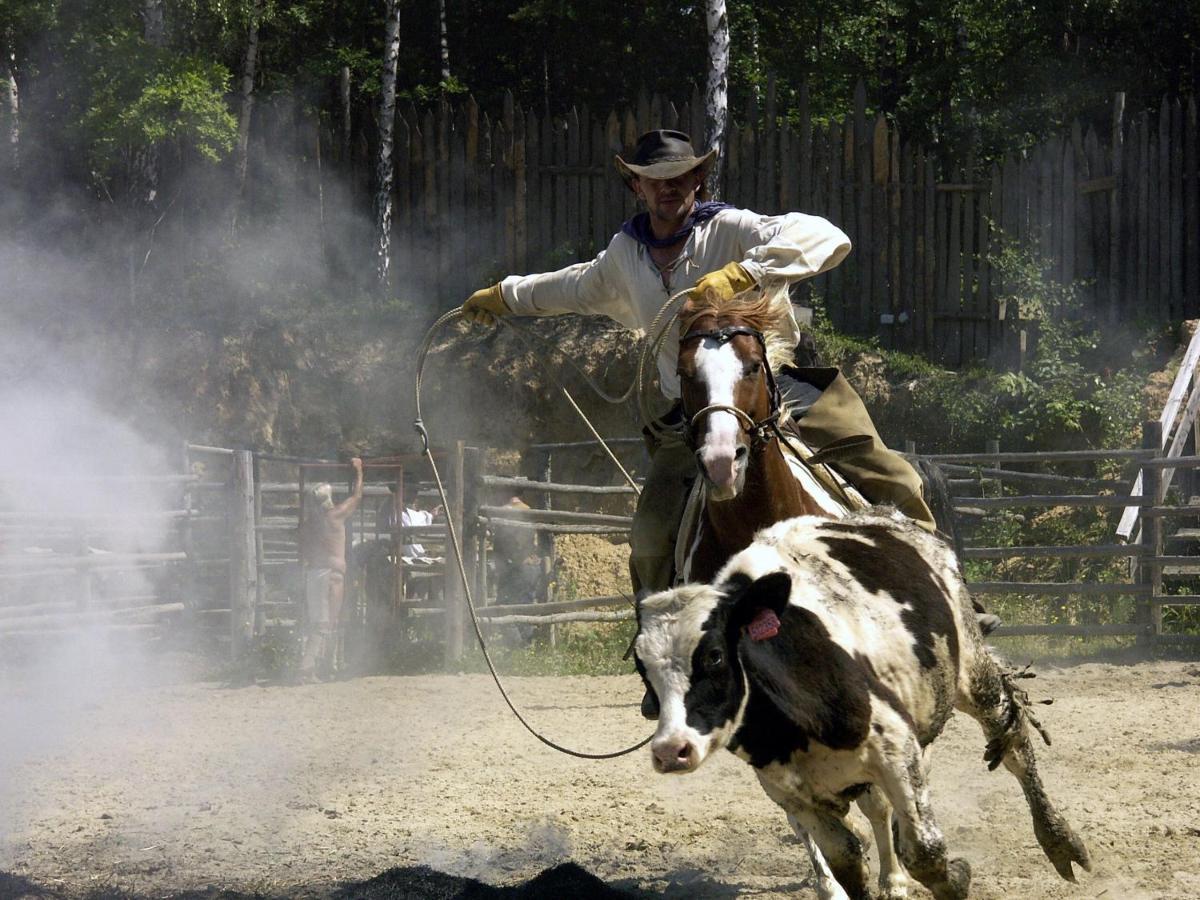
(715, 658)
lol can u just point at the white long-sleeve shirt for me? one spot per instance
(624, 284)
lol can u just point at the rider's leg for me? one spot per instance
(882, 475)
(659, 510)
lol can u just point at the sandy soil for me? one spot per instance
(290, 790)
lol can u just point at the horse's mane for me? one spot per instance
(766, 309)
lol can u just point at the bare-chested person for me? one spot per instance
(323, 553)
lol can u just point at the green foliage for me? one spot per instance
(1079, 386)
(179, 100)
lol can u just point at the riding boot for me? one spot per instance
(838, 414)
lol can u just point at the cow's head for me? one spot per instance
(687, 652)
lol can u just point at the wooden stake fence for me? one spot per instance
(1116, 209)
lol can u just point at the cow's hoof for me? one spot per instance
(1063, 847)
(988, 623)
(957, 883)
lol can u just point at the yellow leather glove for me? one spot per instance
(482, 307)
(725, 282)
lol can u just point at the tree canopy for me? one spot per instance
(1000, 73)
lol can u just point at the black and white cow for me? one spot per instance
(828, 654)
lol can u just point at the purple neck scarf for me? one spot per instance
(639, 229)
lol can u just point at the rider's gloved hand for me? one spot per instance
(725, 282)
(482, 307)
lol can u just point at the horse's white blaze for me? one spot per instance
(719, 369)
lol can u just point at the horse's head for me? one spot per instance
(729, 396)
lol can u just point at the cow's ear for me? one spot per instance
(765, 653)
(766, 595)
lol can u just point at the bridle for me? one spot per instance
(760, 432)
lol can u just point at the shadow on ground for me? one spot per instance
(401, 883)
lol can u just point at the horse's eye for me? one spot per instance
(753, 369)
(714, 659)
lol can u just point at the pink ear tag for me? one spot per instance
(764, 625)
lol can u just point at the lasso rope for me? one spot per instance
(462, 571)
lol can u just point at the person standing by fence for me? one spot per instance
(323, 555)
(684, 241)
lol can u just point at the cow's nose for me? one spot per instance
(673, 755)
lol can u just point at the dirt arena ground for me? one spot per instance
(313, 790)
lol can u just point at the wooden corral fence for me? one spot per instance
(229, 565)
(493, 527)
(1092, 589)
(254, 575)
(247, 567)
(1085, 594)
(1113, 205)
(106, 558)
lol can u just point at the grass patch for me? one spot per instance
(579, 649)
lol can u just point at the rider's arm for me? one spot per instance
(592, 288)
(793, 246)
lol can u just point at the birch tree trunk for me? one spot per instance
(716, 92)
(387, 124)
(249, 69)
(154, 28)
(445, 45)
(12, 111)
(344, 102)
(143, 176)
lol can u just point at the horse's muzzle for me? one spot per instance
(724, 473)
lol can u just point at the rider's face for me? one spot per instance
(669, 200)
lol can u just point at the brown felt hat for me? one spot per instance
(663, 154)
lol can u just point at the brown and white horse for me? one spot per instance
(728, 354)
(735, 417)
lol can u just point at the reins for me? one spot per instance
(419, 425)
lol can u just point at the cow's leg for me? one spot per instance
(922, 846)
(839, 848)
(991, 700)
(893, 883)
(827, 886)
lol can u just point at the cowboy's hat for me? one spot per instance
(663, 154)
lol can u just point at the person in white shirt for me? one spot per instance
(685, 242)
(412, 515)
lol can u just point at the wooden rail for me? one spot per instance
(528, 484)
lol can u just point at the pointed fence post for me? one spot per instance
(1148, 614)
(243, 571)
